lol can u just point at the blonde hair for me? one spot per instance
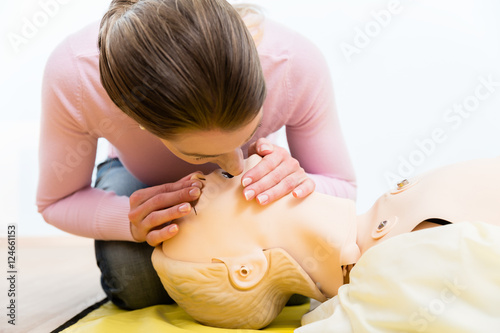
(205, 291)
(176, 65)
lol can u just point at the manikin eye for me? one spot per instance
(226, 174)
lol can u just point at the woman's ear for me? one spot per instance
(247, 271)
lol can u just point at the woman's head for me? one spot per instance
(180, 65)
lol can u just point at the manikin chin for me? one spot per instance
(234, 263)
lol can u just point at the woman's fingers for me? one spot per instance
(161, 201)
(254, 177)
(154, 207)
(280, 182)
(140, 196)
(275, 176)
(158, 218)
(156, 237)
(261, 147)
(306, 187)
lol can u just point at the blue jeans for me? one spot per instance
(127, 274)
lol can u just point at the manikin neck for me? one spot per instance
(331, 219)
(320, 234)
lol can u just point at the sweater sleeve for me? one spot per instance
(67, 151)
(313, 131)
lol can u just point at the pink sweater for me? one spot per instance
(76, 111)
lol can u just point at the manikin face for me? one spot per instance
(215, 146)
(220, 219)
(319, 231)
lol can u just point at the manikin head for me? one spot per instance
(236, 263)
(252, 257)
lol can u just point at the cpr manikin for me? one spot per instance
(236, 263)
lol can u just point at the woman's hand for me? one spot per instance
(276, 175)
(153, 209)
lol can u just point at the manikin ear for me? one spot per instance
(247, 271)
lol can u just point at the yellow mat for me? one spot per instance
(170, 318)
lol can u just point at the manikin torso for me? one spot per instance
(467, 191)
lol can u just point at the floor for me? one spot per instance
(57, 278)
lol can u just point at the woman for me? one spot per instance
(235, 263)
(178, 87)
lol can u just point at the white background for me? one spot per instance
(407, 74)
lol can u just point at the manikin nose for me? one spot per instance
(197, 175)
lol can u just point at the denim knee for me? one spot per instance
(128, 277)
(112, 176)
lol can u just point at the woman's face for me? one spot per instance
(215, 146)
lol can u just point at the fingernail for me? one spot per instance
(196, 184)
(184, 207)
(264, 148)
(262, 199)
(249, 194)
(173, 228)
(195, 192)
(297, 193)
(246, 182)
